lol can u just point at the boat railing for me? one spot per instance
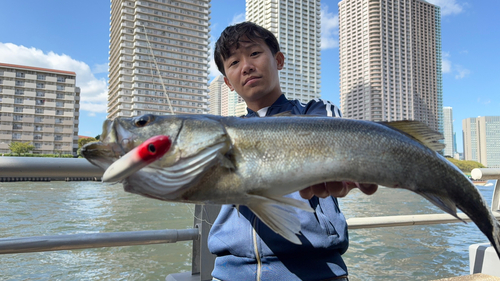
(25, 168)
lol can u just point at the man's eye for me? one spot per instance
(233, 63)
(255, 53)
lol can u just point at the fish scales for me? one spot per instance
(256, 161)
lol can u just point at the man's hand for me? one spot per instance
(336, 189)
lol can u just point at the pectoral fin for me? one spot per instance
(277, 213)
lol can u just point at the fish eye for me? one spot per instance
(143, 120)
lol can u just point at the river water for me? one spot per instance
(52, 208)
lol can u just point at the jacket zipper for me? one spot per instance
(256, 250)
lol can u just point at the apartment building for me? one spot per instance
(390, 61)
(481, 137)
(449, 136)
(223, 101)
(158, 58)
(297, 26)
(214, 99)
(40, 106)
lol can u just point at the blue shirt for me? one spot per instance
(246, 247)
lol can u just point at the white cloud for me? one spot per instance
(462, 72)
(329, 29)
(448, 67)
(445, 63)
(214, 71)
(238, 18)
(448, 7)
(93, 91)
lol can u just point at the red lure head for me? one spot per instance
(154, 148)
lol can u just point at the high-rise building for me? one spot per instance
(469, 137)
(482, 139)
(296, 24)
(449, 137)
(40, 106)
(158, 57)
(390, 60)
(215, 95)
(223, 101)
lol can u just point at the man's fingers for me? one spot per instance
(368, 188)
(338, 188)
(320, 190)
(306, 193)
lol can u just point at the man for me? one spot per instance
(249, 58)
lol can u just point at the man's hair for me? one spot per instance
(232, 35)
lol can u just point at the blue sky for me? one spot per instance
(74, 36)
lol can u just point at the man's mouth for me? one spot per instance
(249, 79)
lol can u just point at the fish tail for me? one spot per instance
(495, 239)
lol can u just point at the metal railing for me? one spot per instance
(202, 259)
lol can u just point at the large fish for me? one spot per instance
(255, 161)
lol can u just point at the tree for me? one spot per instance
(98, 137)
(465, 166)
(84, 141)
(20, 147)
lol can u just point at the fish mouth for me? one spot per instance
(115, 141)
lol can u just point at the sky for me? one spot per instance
(74, 36)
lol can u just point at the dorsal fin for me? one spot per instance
(418, 131)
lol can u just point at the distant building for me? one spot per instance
(482, 140)
(158, 57)
(297, 26)
(223, 101)
(40, 106)
(240, 109)
(390, 61)
(449, 136)
(215, 95)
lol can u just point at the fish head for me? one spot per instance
(121, 135)
(197, 143)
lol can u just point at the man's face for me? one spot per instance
(252, 71)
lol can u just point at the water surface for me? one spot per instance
(52, 208)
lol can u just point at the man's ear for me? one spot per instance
(228, 83)
(280, 60)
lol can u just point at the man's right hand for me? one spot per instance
(336, 189)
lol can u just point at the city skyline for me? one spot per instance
(75, 37)
(481, 139)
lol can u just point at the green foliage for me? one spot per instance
(21, 147)
(465, 165)
(84, 141)
(98, 137)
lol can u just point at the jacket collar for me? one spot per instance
(278, 103)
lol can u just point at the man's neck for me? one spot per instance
(262, 103)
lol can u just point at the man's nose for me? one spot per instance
(248, 66)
